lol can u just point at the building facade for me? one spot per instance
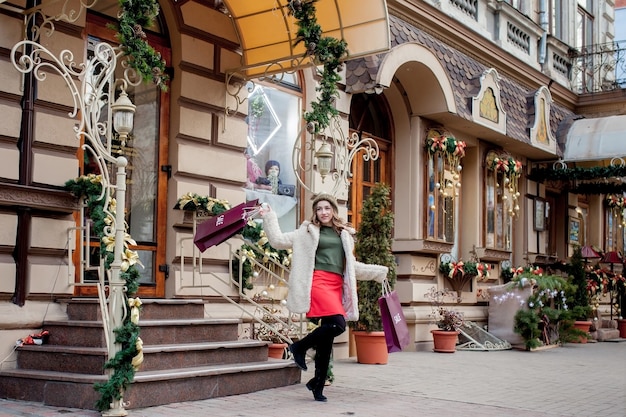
(511, 80)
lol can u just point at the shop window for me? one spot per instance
(501, 199)
(274, 120)
(443, 183)
(615, 222)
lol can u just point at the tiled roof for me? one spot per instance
(464, 73)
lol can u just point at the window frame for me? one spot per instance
(443, 220)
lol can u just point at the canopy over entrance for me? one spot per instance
(596, 139)
(267, 32)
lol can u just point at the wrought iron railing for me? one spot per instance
(600, 67)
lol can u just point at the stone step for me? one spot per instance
(150, 388)
(152, 332)
(88, 309)
(91, 360)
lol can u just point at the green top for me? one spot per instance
(329, 255)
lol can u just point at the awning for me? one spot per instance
(267, 31)
(598, 139)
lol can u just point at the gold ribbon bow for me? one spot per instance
(134, 304)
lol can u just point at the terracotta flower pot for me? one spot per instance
(444, 340)
(621, 325)
(276, 350)
(584, 326)
(371, 348)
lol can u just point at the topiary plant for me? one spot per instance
(578, 298)
(373, 246)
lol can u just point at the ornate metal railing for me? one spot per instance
(600, 67)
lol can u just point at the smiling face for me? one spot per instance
(324, 212)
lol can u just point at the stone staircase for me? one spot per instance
(186, 358)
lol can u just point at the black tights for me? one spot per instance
(321, 339)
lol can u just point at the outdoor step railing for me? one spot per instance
(266, 319)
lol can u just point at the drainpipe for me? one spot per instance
(25, 147)
(543, 22)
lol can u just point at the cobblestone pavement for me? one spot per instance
(574, 380)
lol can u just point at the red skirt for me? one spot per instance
(326, 294)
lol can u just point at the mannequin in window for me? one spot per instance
(253, 169)
(271, 181)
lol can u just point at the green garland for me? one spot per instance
(578, 173)
(326, 51)
(89, 187)
(134, 16)
(253, 232)
(580, 180)
(196, 202)
(439, 141)
(452, 269)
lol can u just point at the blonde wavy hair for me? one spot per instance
(338, 224)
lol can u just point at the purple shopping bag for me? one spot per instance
(394, 323)
(222, 227)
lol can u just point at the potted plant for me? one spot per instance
(578, 295)
(275, 329)
(545, 318)
(448, 321)
(373, 245)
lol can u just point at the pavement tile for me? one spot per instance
(576, 380)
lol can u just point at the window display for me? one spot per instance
(274, 118)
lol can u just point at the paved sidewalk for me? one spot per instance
(574, 380)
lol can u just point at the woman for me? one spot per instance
(322, 282)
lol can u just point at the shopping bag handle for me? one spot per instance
(386, 287)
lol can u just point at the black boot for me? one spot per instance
(317, 386)
(298, 356)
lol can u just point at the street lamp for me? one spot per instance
(123, 115)
(305, 159)
(93, 86)
(324, 156)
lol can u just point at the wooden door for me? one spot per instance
(370, 117)
(146, 184)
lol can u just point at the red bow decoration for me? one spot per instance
(456, 267)
(459, 150)
(502, 165)
(483, 270)
(518, 166)
(438, 143)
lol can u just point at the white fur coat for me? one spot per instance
(304, 241)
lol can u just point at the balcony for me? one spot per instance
(598, 68)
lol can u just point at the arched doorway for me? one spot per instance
(369, 117)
